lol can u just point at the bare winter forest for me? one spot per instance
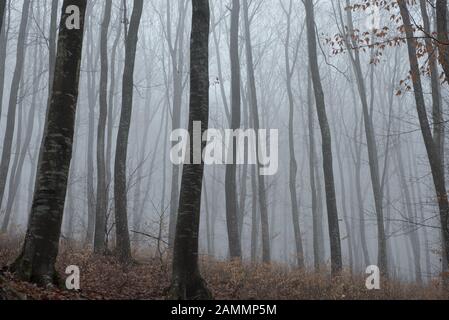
(227, 149)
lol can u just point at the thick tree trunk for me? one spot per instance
(187, 282)
(39, 252)
(432, 149)
(13, 98)
(232, 214)
(102, 194)
(123, 245)
(332, 212)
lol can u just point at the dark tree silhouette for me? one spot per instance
(187, 282)
(39, 252)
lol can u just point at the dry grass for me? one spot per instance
(104, 278)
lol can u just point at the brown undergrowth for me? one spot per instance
(103, 278)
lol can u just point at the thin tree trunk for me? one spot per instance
(332, 211)
(13, 98)
(177, 59)
(102, 194)
(431, 147)
(443, 38)
(266, 254)
(372, 147)
(22, 150)
(120, 186)
(39, 252)
(235, 250)
(317, 213)
(4, 31)
(289, 69)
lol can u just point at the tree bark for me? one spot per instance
(187, 283)
(39, 252)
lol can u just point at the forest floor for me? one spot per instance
(103, 278)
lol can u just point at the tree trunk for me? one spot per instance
(317, 213)
(187, 282)
(235, 250)
(177, 60)
(39, 252)
(120, 186)
(266, 254)
(372, 146)
(289, 70)
(443, 38)
(432, 149)
(14, 92)
(102, 194)
(332, 212)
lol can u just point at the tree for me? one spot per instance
(40, 249)
(261, 192)
(431, 147)
(13, 98)
(102, 195)
(370, 139)
(289, 70)
(187, 282)
(332, 212)
(315, 185)
(235, 250)
(123, 245)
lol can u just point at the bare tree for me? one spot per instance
(290, 64)
(187, 282)
(231, 170)
(431, 147)
(332, 212)
(262, 196)
(120, 189)
(36, 261)
(13, 98)
(102, 194)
